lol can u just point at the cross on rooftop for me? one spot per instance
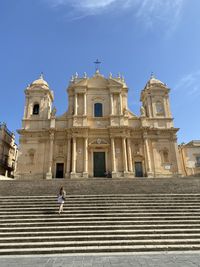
(97, 63)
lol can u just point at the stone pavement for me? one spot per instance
(163, 259)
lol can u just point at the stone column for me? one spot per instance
(149, 107)
(26, 107)
(130, 161)
(68, 157)
(114, 173)
(148, 159)
(168, 106)
(177, 155)
(166, 111)
(73, 173)
(111, 104)
(85, 173)
(85, 105)
(75, 104)
(49, 173)
(120, 104)
(124, 156)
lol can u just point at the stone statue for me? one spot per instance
(53, 112)
(125, 112)
(142, 112)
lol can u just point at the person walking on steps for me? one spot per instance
(61, 199)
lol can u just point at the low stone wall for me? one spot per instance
(101, 186)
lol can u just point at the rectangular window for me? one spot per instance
(98, 110)
(198, 161)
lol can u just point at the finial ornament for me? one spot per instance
(123, 80)
(119, 75)
(85, 75)
(72, 78)
(110, 75)
(42, 76)
(76, 75)
(152, 75)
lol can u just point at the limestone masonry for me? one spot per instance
(98, 136)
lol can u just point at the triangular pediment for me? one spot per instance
(97, 81)
(113, 82)
(82, 82)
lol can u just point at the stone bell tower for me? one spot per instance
(159, 134)
(155, 104)
(34, 134)
(38, 104)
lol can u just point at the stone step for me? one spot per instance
(110, 218)
(100, 249)
(103, 207)
(97, 237)
(105, 197)
(95, 223)
(54, 215)
(99, 213)
(99, 223)
(64, 232)
(99, 243)
(100, 206)
(102, 227)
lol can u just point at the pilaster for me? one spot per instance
(85, 173)
(51, 141)
(114, 173)
(73, 173)
(124, 156)
(68, 157)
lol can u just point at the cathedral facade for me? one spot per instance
(98, 136)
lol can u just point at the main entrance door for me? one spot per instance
(99, 164)
(59, 170)
(138, 169)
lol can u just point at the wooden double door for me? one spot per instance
(99, 164)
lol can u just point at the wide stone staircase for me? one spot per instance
(100, 223)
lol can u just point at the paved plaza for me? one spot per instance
(164, 259)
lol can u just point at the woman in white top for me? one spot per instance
(61, 199)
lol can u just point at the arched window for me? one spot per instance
(98, 110)
(36, 109)
(159, 107)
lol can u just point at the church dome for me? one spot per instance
(153, 80)
(40, 82)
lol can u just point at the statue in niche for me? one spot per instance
(142, 112)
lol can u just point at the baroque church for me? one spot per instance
(98, 136)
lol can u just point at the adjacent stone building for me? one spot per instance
(8, 151)
(190, 158)
(99, 135)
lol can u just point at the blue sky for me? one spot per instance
(133, 37)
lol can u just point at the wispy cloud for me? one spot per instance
(166, 12)
(149, 12)
(189, 84)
